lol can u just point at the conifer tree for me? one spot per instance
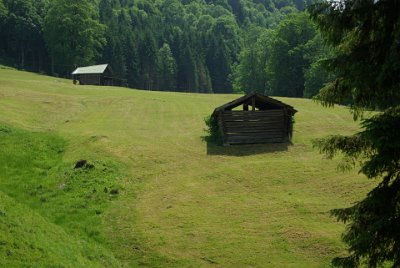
(22, 27)
(365, 36)
(167, 68)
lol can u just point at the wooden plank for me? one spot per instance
(284, 130)
(254, 116)
(253, 141)
(263, 119)
(254, 127)
(277, 118)
(222, 130)
(250, 132)
(254, 137)
(251, 112)
(249, 136)
(248, 139)
(257, 117)
(252, 124)
(277, 130)
(269, 118)
(243, 113)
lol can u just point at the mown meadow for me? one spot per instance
(154, 193)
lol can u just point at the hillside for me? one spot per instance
(157, 194)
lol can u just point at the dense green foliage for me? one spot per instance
(72, 33)
(365, 35)
(174, 45)
(284, 61)
(250, 74)
(21, 37)
(213, 131)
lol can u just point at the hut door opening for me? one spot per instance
(252, 104)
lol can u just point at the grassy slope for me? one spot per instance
(50, 213)
(28, 239)
(184, 202)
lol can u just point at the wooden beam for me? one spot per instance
(222, 129)
(253, 103)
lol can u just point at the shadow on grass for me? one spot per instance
(245, 149)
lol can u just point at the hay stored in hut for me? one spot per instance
(267, 121)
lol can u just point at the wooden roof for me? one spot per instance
(261, 102)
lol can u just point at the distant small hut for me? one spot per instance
(267, 121)
(100, 75)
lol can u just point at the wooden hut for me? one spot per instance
(100, 75)
(268, 120)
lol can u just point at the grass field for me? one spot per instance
(157, 195)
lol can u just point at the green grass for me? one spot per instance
(42, 201)
(28, 240)
(181, 202)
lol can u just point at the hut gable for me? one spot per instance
(95, 75)
(262, 120)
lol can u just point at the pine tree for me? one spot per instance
(365, 36)
(3, 12)
(22, 28)
(166, 68)
(3, 17)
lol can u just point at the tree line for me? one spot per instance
(218, 46)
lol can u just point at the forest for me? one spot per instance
(206, 46)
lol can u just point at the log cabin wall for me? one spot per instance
(244, 127)
(89, 79)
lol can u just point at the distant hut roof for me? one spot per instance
(261, 102)
(95, 69)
